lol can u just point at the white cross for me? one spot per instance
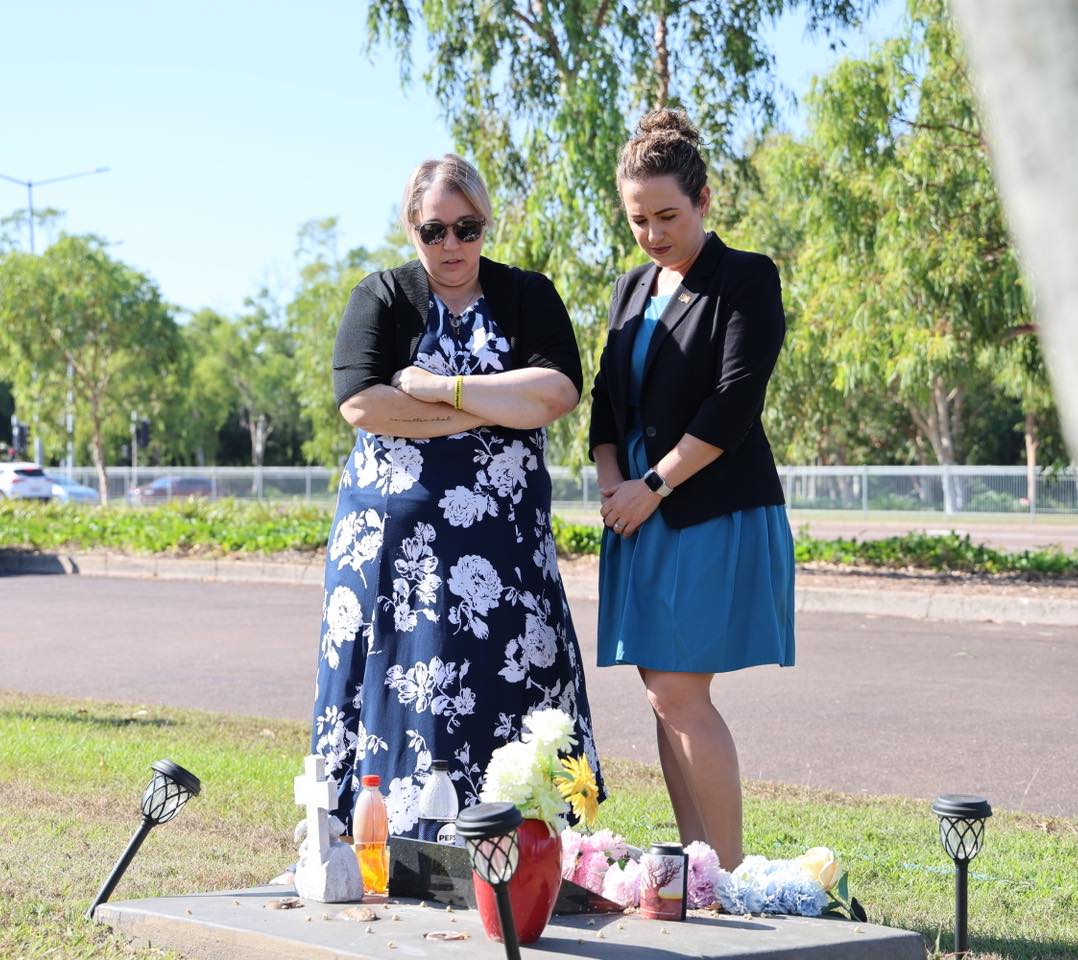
(319, 794)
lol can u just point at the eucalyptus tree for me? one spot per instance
(540, 93)
(905, 267)
(76, 306)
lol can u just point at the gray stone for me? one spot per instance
(238, 926)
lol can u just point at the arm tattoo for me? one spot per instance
(445, 419)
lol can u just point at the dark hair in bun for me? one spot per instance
(666, 144)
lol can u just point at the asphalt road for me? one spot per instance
(875, 705)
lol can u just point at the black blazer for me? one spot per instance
(705, 373)
(387, 314)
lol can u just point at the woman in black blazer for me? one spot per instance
(696, 574)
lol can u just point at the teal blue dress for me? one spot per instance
(709, 598)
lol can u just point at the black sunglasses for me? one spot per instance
(466, 230)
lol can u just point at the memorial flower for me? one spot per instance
(580, 789)
(529, 772)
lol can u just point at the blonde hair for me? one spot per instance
(666, 144)
(457, 174)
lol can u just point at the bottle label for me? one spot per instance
(437, 831)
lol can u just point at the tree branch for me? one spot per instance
(547, 35)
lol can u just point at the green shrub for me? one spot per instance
(231, 526)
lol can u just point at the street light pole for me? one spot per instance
(30, 184)
(69, 416)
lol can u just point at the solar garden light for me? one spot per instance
(962, 820)
(490, 831)
(170, 788)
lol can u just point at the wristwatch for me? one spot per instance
(657, 484)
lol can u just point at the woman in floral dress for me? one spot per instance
(444, 617)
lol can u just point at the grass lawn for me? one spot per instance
(72, 772)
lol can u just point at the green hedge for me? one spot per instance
(229, 526)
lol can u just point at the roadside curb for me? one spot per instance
(929, 604)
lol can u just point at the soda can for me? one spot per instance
(664, 882)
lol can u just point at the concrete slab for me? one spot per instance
(239, 925)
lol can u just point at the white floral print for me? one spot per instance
(463, 507)
(475, 580)
(415, 582)
(343, 618)
(427, 685)
(357, 540)
(392, 464)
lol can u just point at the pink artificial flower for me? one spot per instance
(591, 868)
(606, 841)
(622, 885)
(570, 852)
(704, 875)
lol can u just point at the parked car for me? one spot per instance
(170, 488)
(67, 490)
(23, 480)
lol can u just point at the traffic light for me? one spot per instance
(142, 433)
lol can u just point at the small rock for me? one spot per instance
(447, 935)
(663, 930)
(235, 903)
(284, 903)
(396, 916)
(360, 914)
(599, 935)
(188, 911)
(392, 945)
(308, 918)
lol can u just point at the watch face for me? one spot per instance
(653, 480)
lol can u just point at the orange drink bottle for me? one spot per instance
(370, 834)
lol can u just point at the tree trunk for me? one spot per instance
(97, 449)
(1026, 73)
(260, 429)
(662, 62)
(939, 423)
(1032, 443)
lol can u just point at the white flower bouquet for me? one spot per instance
(531, 774)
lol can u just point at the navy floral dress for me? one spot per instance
(444, 619)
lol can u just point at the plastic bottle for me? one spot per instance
(438, 806)
(370, 835)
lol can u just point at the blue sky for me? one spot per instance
(228, 125)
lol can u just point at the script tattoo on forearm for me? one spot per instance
(419, 419)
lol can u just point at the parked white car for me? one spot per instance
(23, 480)
(67, 490)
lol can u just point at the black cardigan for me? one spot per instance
(387, 314)
(705, 374)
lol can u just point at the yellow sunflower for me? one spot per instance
(577, 786)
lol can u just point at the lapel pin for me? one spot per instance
(684, 297)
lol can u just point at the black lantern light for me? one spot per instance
(962, 820)
(490, 831)
(170, 788)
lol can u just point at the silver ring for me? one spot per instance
(618, 526)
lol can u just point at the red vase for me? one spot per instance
(533, 890)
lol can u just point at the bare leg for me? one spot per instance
(689, 825)
(704, 758)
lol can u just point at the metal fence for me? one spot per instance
(946, 490)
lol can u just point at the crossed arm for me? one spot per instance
(418, 404)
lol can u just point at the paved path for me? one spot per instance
(875, 705)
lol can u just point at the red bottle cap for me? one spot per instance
(371, 780)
